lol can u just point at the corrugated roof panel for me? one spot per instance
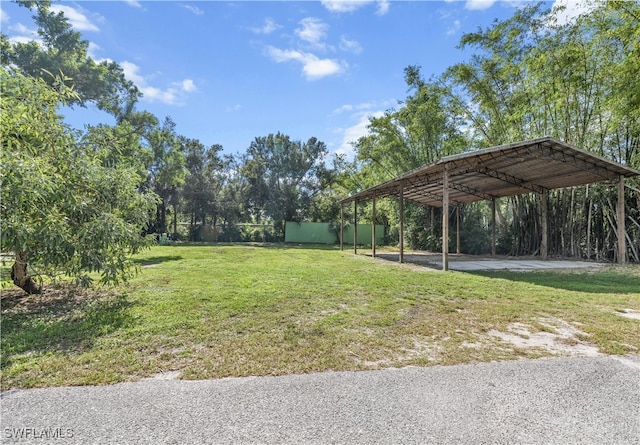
(506, 170)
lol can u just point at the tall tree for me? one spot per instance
(425, 128)
(167, 171)
(64, 209)
(532, 76)
(282, 177)
(203, 183)
(494, 82)
(64, 51)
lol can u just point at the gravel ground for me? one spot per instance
(585, 400)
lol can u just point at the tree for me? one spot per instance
(64, 209)
(167, 172)
(63, 51)
(202, 186)
(282, 176)
(426, 128)
(531, 76)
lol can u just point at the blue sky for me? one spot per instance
(229, 71)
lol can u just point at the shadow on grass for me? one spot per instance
(611, 280)
(151, 261)
(64, 320)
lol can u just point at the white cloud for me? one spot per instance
(311, 39)
(131, 73)
(359, 115)
(343, 109)
(25, 39)
(4, 17)
(134, 3)
(341, 6)
(233, 108)
(194, 9)
(352, 46)
(312, 66)
(174, 94)
(383, 7)
(23, 30)
(453, 28)
(188, 86)
(78, 20)
(476, 5)
(268, 27)
(24, 34)
(93, 51)
(566, 11)
(364, 106)
(351, 134)
(312, 31)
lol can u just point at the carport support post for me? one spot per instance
(342, 226)
(355, 226)
(544, 222)
(493, 227)
(402, 222)
(445, 218)
(373, 229)
(458, 228)
(622, 242)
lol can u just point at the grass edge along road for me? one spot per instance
(212, 311)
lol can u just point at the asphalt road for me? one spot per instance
(584, 400)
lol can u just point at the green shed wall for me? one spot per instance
(319, 233)
(364, 234)
(309, 232)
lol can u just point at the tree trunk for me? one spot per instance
(163, 217)
(21, 277)
(175, 222)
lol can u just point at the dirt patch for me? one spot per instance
(165, 375)
(56, 299)
(557, 337)
(629, 313)
(422, 349)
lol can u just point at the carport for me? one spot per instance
(533, 166)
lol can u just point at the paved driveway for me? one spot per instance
(585, 400)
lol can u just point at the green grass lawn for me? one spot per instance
(213, 311)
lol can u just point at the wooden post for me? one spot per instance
(588, 225)
(373, 229)
(493, 227)
(544, 222)
(622, 242)
(355, 226)
(445, 218)
(342, 226)
(402, 222)
(458, 228)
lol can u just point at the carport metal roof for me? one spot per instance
(536, 165)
